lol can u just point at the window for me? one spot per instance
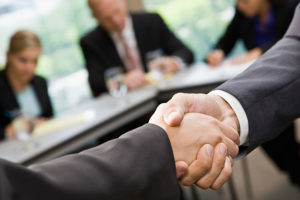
(199, 23)
(59, 24)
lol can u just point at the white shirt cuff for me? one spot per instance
(240, 113)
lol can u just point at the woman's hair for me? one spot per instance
(23, 39)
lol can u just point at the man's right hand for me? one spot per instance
(200, 142)
(135, 79)
(182, 104)
(210, 104)
(215, 58)
(167, 65)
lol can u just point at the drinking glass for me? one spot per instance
(23, 126)
(115, 83)
(156, 72)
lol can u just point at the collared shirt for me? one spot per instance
(29, 104)
(240, 113)
(130, 37)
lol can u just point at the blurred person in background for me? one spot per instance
(137, 42)
(22, 92)
(260, 24)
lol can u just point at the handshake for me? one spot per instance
(203, 132)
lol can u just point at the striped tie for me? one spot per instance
(131, 59)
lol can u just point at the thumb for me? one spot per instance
(175, 109)
(157, 116)
(173, 117)
(181, 103)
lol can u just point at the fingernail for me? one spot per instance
(228, 161)
(180, 172)
(209, 150)
(223, 149)
(171, 117)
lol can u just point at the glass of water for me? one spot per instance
(115, 83)
(23, 126)
(156, 72)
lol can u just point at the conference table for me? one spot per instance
(199, 78)
(99, 117)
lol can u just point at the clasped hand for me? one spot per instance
(203, 132)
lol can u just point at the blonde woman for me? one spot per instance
(22, 92)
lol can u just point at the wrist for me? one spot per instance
(158, 121)
(227, 113)
(170, 134)
(255, 53)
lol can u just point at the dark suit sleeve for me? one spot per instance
(266, 47)
(139, 165)
(171, 44)
(269, 89)
(41, 90)
(47, 105)
(96, 72)
(231, 35)
(2, 132)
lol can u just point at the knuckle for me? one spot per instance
(203, 167)
(219, 164)
(219, 161)
(206, 165)
(216, 186)
(218, 138)
(186, 182)
(213, 121)
(236, 152)
(178, 96)
(236, 138)
(171, 105)
(233, 150)
(161, 106)
(203, 184)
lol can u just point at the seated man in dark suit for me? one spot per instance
(128, 40)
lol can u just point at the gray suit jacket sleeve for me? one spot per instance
(137, 166)
(269, 89)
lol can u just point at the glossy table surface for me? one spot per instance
(100, 116)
